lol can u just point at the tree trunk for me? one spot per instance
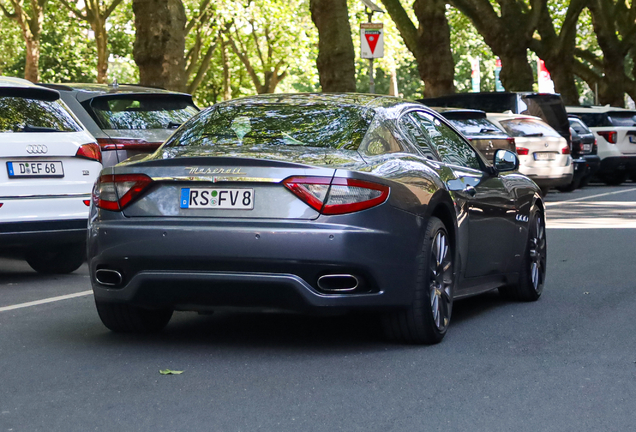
(160, 43)
(435, 60)
(32, 67)
(563, 77)
(336, 56)
(613, 85)
(101, 40)
(516, 72)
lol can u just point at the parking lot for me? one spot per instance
(566, 362)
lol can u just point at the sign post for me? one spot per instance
(371, 40)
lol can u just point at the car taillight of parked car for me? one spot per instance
(115, 192)
(610, 136)
(522, 151)
(565, 150)
(337, 196)
(127, 144)
(90, 151)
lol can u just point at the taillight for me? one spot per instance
(337, 196)
(90, 151)
(565, 150)
(610, 136)
(522, 151)
(114, 192)
(127, 144)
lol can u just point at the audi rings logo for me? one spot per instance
(37, 149)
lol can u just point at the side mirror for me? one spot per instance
(505, 160)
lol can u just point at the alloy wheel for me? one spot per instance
(441, 280)
(537, 252)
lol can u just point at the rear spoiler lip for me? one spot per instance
(38, 93)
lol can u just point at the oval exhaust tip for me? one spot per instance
(338, 283)
(108, 277)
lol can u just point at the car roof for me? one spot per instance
(90, 90)
(6, 81)
(390, 105)
(585, 109)
(18, 87)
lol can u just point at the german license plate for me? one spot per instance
(217, 198)
(587, 148)
(35, 169)
(632, 139)
(544, 156)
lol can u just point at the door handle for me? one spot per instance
(469, 190)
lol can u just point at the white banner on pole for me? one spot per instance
(371, 40)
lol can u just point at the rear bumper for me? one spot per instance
(23, 235)
(202, 265)
(554, 181)
(612, 164)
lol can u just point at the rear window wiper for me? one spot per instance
(485, 130)
(31, 128)
(538, 134)
(173, 125)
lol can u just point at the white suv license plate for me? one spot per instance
(632, 139)
(544, 156)
(35, 169)
(216, 198)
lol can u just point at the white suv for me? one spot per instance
(615, 131)
(544, 155)
(48, 165)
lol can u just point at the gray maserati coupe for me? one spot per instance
(314, 203)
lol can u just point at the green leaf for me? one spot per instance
(170, 372)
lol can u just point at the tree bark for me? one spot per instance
(336, 56)
(429, 43)
(160, 43)
(32, 66)
(101, 40)
(227, 82)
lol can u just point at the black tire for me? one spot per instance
(124, 318)
(419, 323)
(531, 278)
(615, 178)
(60, 259)
(573, 185)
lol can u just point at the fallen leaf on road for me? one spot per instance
(585, 292)
(170, 372)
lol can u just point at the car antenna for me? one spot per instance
(114, 84)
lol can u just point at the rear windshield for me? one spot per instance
(149, 112)
(489, 102)
(625, 118)
(476, 127)
(549, 108)
(528, 128)
(32, 115)
(579, 126)
(310, 125)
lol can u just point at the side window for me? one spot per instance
(379, 140)
(412, 127)
(451, 148)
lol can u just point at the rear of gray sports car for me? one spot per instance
(232, 213)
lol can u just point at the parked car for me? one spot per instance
(484, 135)
(615, 132)
(544, 155)
(549, 107)
(48, 165)
(584, 146)
(126, 119)
(310, 203)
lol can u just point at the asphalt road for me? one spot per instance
(564, 363)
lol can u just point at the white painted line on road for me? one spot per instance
(44, 301)
(591, 196)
